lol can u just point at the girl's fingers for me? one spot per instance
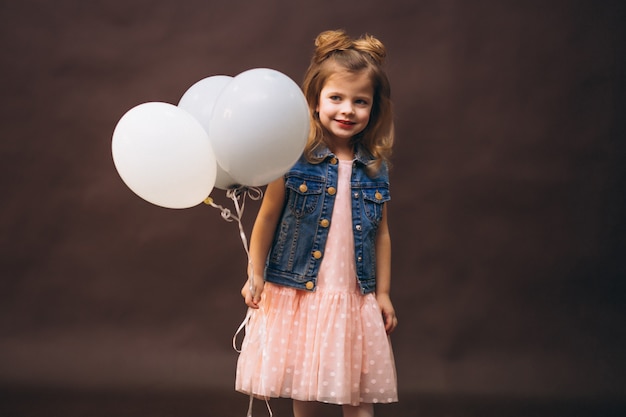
(252, 300)
(391, 321)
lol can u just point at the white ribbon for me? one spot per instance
(238, 196)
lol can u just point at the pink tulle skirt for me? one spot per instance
(321, 347)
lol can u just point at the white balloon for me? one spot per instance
(223, 180)
(199, 101)
(163, 154)
(259, 126)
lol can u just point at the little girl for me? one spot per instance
(321, 247)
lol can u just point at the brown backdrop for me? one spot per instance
(507, 209)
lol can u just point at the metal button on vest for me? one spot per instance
(356, 195)
(324, 223)
(317, 254)
(309, 285)
(303, 188)
(333, 161)
(378, 196)
(358, 227)
(332, 190)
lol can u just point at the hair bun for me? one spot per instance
(329, 41)
(337, 40)
(372, 46)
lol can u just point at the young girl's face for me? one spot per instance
(345, 104)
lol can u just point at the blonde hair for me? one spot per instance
(336, 51)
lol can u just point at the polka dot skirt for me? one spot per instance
(329, 345)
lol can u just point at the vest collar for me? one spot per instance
(360, 155)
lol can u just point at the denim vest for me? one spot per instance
(300, 238)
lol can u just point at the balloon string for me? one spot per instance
(263, 343)
(238, 195)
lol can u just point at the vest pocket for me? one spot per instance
(303, 195)
(373, 200)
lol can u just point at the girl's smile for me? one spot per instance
(345, 123)
(345, 104)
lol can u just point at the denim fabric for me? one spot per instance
(300, 237)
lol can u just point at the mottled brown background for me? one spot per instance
(507, 213)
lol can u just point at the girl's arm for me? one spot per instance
(261, 239)
(383, 273)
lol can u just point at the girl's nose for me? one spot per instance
(347, 108)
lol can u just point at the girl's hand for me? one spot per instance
(253, 301)
(389, 314)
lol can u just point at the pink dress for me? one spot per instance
(329, 345)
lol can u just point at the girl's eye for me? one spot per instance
(362, 102)
(335, 98)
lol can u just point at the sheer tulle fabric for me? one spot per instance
(329, 345)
